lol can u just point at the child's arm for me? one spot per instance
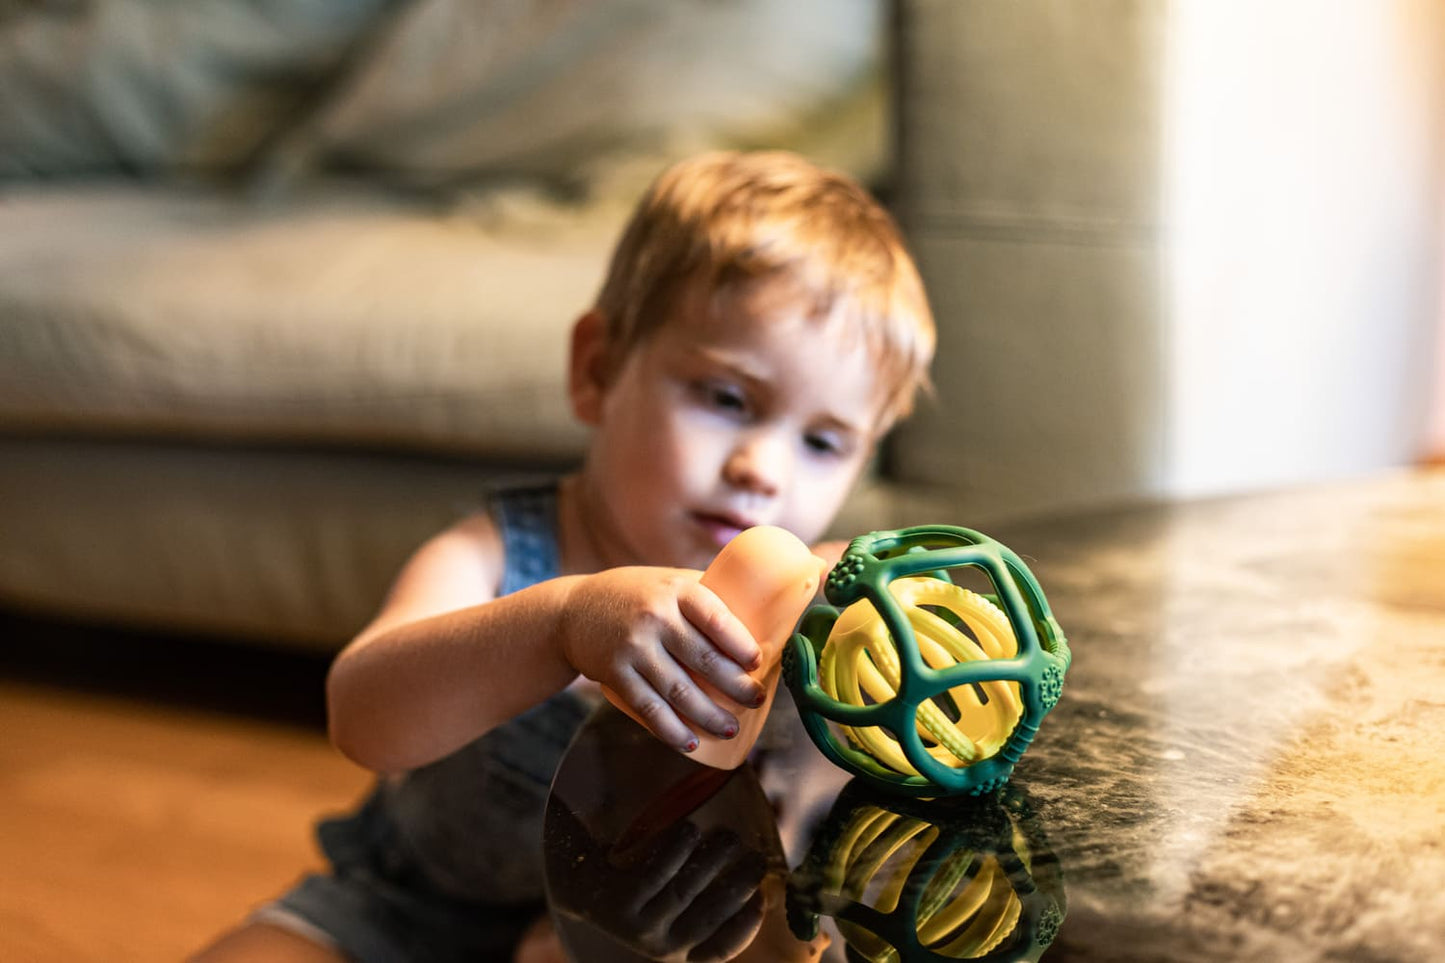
(445, 661)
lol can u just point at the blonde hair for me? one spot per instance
(728, 218)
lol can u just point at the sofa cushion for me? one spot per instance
(137, 85)
(286, 547)
(345, 319)
(564, 90)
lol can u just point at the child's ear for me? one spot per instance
(588, 367)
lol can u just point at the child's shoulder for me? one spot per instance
(474, 540)
(459, 566)
(474, 532)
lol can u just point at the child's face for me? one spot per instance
(736, 411)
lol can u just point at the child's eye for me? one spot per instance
(723, 397)
(823, 444)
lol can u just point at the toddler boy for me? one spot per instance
(761, 326)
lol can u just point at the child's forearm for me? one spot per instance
(409, 694)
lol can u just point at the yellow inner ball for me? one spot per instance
(859, 666)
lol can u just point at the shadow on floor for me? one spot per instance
(195, 672)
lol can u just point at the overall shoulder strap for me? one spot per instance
(527, 520)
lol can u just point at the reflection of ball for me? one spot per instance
(970, 904)
(931, 689)
(967, 723)
(906, 880)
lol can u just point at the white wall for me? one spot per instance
(1176, 247)
(1301, 227)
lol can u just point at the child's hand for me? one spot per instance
(638, 630)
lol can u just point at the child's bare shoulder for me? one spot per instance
(473, 543)
(459, 566)
(476, 532)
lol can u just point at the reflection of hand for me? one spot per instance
(682, 896)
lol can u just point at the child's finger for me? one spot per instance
(684, 695)
(724, 630)
(638, 693)
(698, 654)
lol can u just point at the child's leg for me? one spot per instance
(265, 942)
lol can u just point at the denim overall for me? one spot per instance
(445, 862)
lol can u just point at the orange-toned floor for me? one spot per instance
(134, 825)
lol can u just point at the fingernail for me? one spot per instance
(691, 746)
(729, 731)
(759, 699)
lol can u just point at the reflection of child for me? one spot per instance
(760, 327)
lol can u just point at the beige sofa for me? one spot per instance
(278, 299)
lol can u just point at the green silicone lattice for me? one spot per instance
(1035, 671)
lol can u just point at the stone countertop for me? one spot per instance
(1248, 761)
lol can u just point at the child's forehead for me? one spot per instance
(777, 296)
(767, 318)
(780, 342)
(749, 307)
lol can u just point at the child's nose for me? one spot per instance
(758, 463)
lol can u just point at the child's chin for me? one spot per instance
(698, 552)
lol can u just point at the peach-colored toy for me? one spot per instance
(767, 576)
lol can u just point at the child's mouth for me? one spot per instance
(720, 529)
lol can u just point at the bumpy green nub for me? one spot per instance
(933, 690)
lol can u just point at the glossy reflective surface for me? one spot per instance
(1248, 763)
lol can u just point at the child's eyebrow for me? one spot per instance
(840, 424)
(737, 365)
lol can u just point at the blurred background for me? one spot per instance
(285, 285)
